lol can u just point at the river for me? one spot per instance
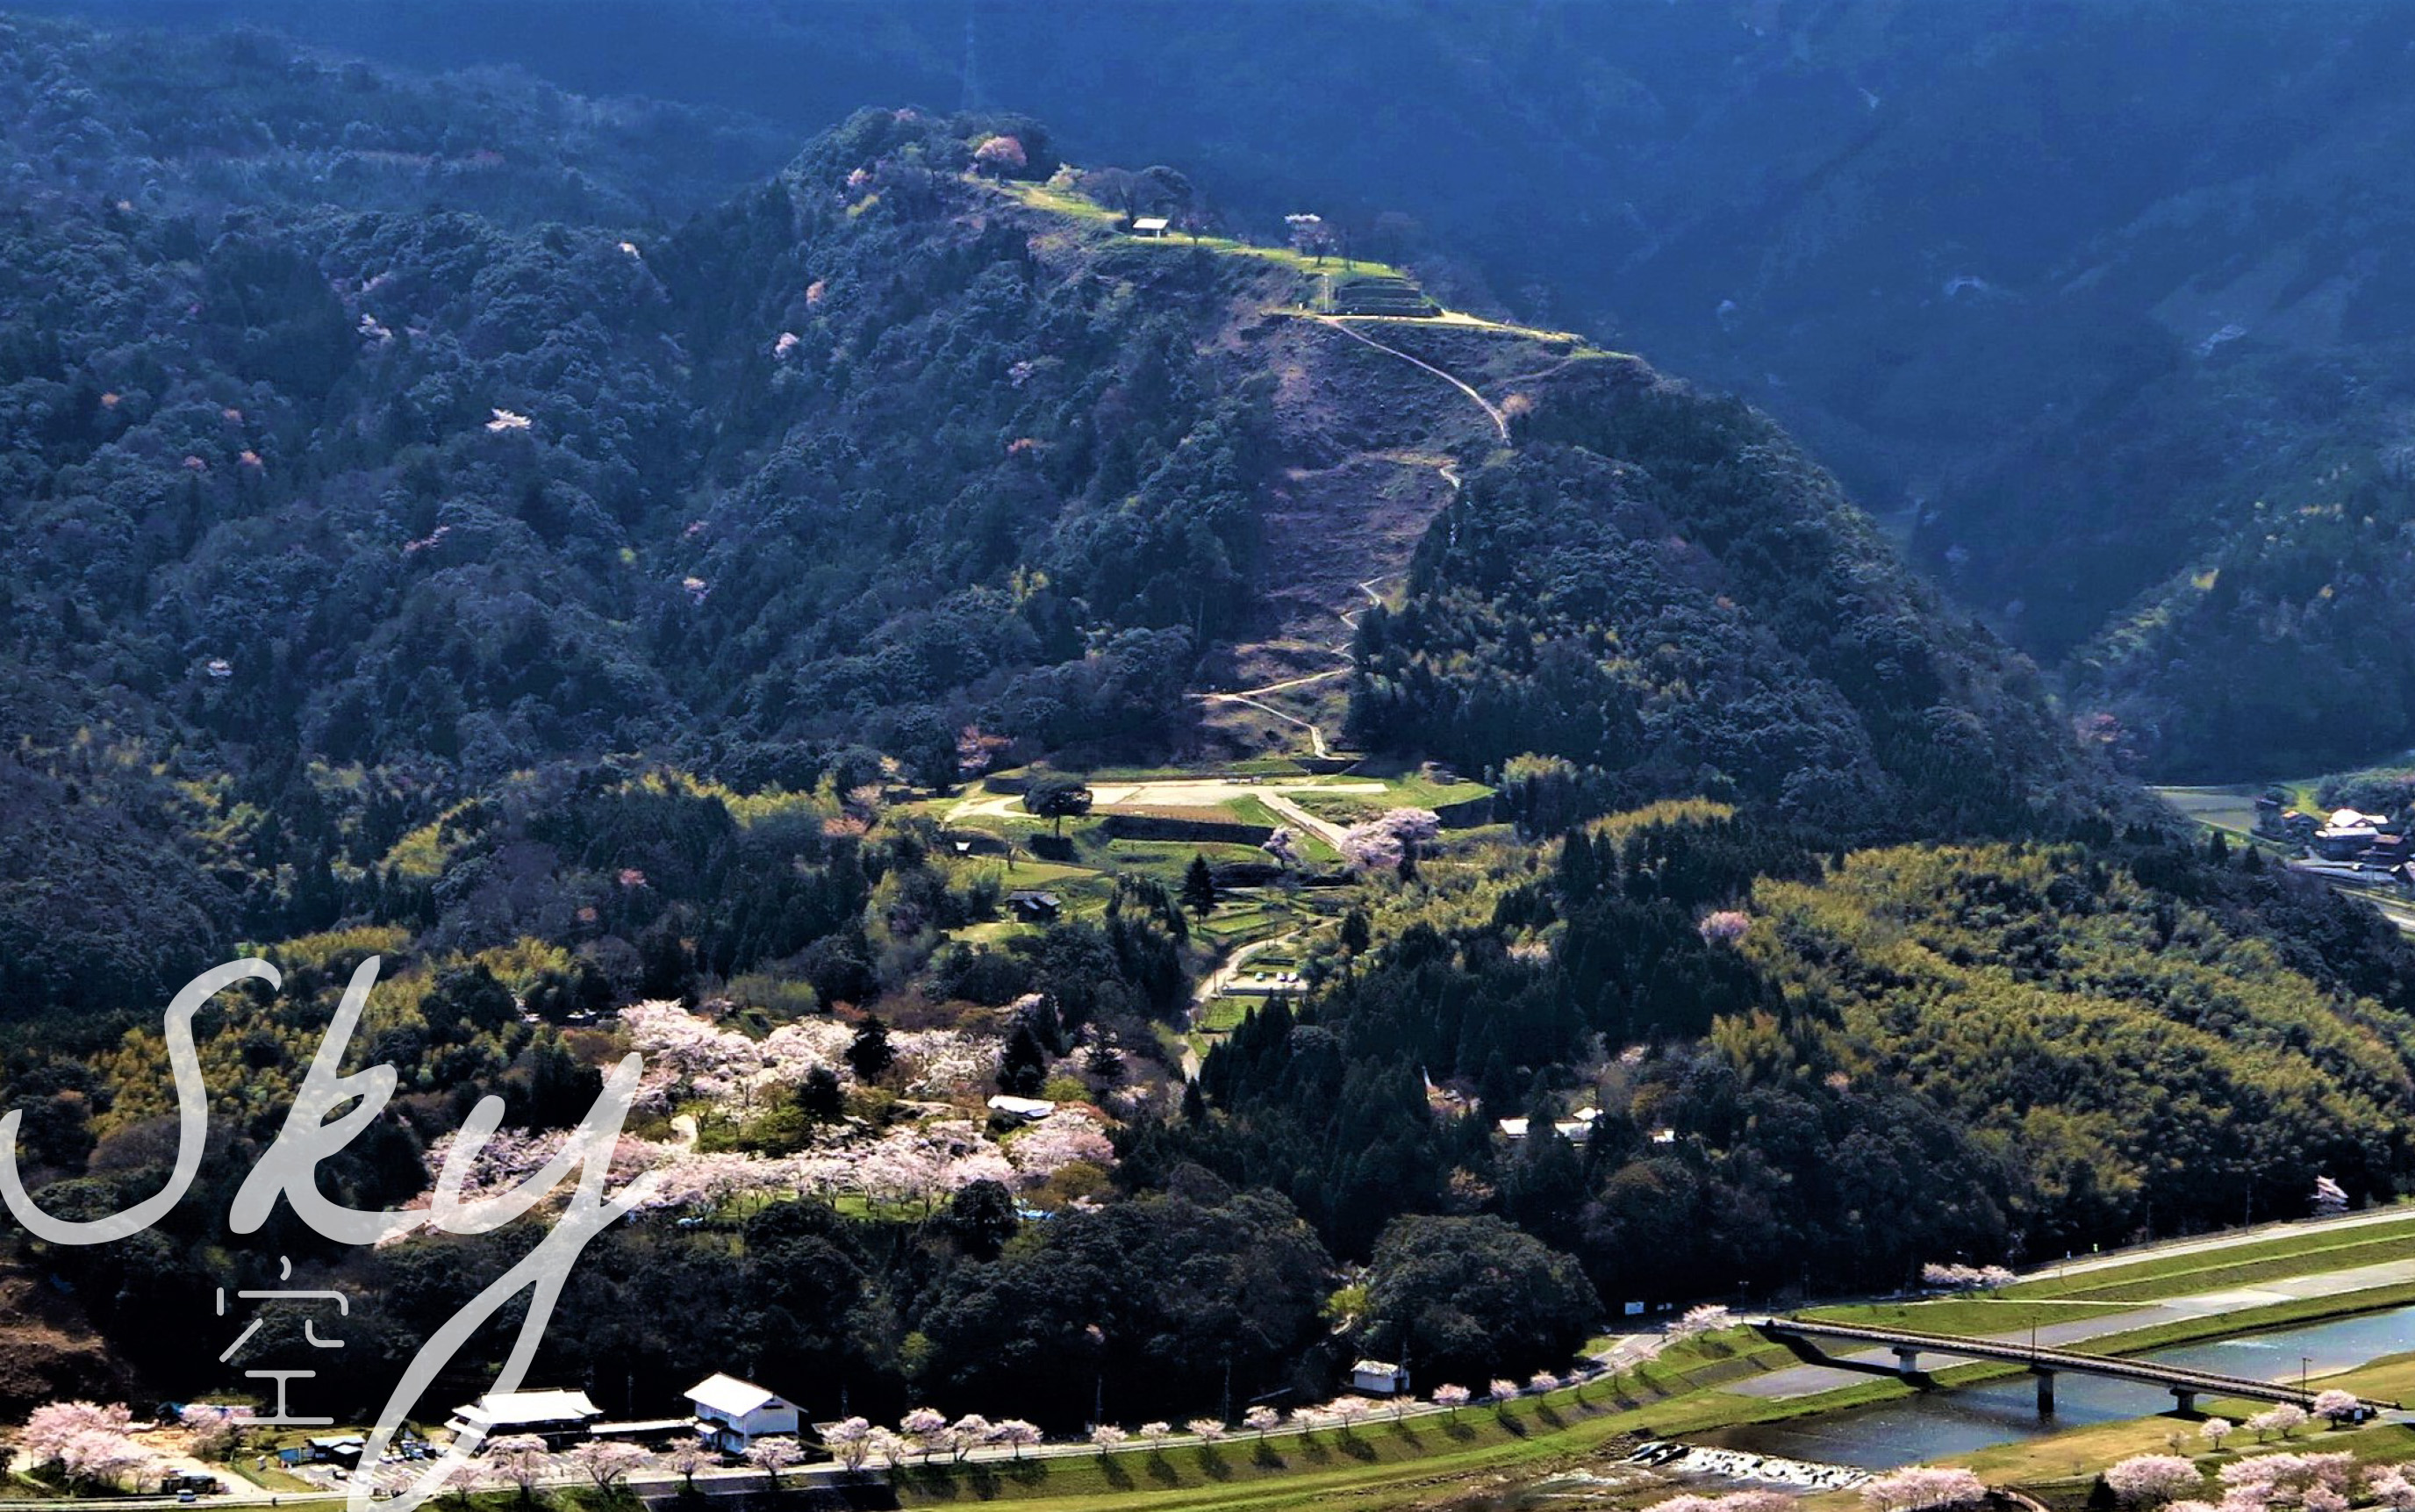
(1958, 1420)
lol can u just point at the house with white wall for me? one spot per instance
(732, 1414)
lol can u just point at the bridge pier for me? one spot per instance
(2044, 1391)
(1907, 1359)
(2184, 1399)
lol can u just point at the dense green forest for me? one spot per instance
(2063, 292)
(440, 530)
(1660, 590)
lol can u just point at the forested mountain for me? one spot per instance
(432, 533)
(2065, 289)
(1661, 590)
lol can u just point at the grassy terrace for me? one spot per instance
(1092, 213)
(2180, 1275)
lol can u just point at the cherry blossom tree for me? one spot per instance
(1310, 234)
(1707, 1319)
(2149, 1479)
(1542, 1382)
(1262, 1420)
(2214, 1429)
(1501, 1388)
(1017, 1434)
(101, 1457)
(1450, 1399)
(685, 1457)
(1350, 1412)
(1001, 155)
(965, 1433)
(1206, 1429)
(2390, 1487)
(1155, 1434)
(2284, 1419)
(850, 1440)
(1724, 927)
(889, 1448)
(519, 1459)
(51, 1427)
(90, 1443)
(2335, 1404)
(1107, 1437)
(1382, 842)
(927, 1426)
(605, 1462)
(210, 1429)
(773, 1455)
(1282, 844)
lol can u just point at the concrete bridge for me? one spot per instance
(2185, 1385)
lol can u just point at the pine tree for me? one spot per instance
(1199, 888)
(869, 1055)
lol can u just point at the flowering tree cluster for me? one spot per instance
(1382, 842)
(1709, 1318)
(1044, 1149)
(1918, 1487)
(210, 1429)
(90, 1443)
(2149, 1479)
(2388, 1487)
(1964, 1278)
(2283, 1418)
(688, 1058)
(2275, 1480)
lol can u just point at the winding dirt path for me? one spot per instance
(1491, 411)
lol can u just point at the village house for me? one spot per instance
(1035, 907)
(1576, 1128)
(1379, 1378)
(559, 1418)
(1151, 227)
(732, 1414)
(2348, 835)
(1023, 1110)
